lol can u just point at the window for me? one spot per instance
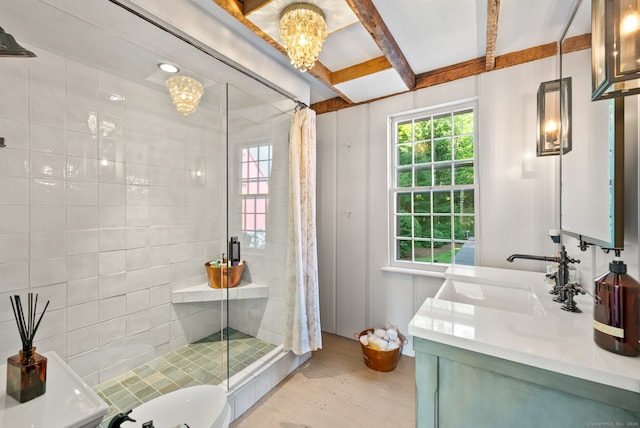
(255, 172)
(433, 190)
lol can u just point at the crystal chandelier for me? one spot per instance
(185, 93)
(303, 31)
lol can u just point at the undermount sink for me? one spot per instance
(518, 298)
(200, 406)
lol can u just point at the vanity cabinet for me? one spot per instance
(456, 387)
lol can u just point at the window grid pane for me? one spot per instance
(255, 170)
(434, 202)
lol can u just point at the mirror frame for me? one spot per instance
(616, 164)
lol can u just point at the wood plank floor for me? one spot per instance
(335, 389)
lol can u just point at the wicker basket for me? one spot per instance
(382, 361)
(218, 275)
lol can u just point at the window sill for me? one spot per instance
(415, 272)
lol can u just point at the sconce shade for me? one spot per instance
(554, 117)
(185, 93)
(303, 31)
(615, 48)
(10, 48)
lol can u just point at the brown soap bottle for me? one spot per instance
(616, 311)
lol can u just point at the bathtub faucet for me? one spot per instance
(563, 290)
(120, 418)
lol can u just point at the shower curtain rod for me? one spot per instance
(211, 54)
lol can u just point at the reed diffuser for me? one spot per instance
(26, 371)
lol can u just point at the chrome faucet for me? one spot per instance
(563, 290)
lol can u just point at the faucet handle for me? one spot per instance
(118, 419)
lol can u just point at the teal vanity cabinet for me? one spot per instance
(459, 388)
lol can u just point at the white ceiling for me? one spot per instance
(430, 33)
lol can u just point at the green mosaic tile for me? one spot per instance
(115, 387)
(183, 363)
(128, 402)
(145, 392)
(170, 388)
(175, 374)
(130, 380)
(119, 395)
(138, 386)
(202, 362)
(144, 371)
(161, 383)
(173, 358)
(184, 381)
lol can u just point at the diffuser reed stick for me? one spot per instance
(27, 327)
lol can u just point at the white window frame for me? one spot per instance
(394, 119)
(246, 233)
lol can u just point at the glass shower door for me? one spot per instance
(257, 195)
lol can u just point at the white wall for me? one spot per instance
(519, 197)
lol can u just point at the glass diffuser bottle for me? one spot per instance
(26, 375)
(26, 371)
(616, 312)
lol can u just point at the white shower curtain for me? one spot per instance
(302, 330)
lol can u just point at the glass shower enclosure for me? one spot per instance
(146, 195)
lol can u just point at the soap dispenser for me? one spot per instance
(616, 311)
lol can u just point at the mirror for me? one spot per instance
(591, 174)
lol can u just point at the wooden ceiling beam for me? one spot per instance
(576, 43)
(472, 68)
(361, 70)
(319, 71)
(493, 10)
(372, 21)
(251, 5)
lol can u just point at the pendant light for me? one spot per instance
(303, 31)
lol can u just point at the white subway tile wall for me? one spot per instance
(110, 200)
(99, 213)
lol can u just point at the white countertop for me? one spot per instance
(67, 403)
(554, 340)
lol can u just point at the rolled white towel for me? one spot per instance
(392, 346)
(380, 332)
(392, 334)
(364, 340)
(377, 343)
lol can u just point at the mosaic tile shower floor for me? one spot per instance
(198, 363)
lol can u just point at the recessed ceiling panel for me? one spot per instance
(337, 14)
(348, 46)
(373, 86)
(436, 34)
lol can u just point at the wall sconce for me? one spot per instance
(615, 48)
(554, 117)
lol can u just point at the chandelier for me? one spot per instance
(303, 31)
(185, 93)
